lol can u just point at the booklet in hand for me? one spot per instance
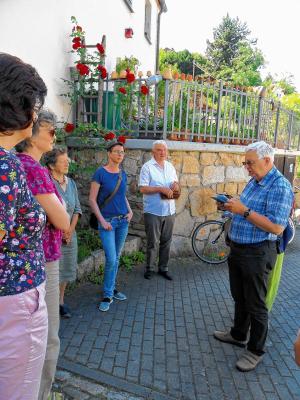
(221, 198)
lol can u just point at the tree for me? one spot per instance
(181, 61)
(232, 55)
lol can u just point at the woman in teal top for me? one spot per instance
(57, 162)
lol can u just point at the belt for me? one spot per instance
(117, 217)
(244, 245)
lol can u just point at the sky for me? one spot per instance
(275, 24)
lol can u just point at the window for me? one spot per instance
(129, 5)
(147, 29)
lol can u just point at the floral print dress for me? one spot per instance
(22, 259)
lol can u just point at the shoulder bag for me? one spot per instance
(93, 222)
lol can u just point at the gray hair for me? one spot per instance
(156, 142)
(50, 158)
(45, 117)
(262, 149)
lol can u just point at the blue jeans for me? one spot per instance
(113, 243)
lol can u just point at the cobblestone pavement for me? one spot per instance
(159, 343)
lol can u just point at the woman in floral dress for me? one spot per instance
(23, 312)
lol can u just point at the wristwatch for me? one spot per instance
(247, 213)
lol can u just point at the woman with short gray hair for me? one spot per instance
(41, 185)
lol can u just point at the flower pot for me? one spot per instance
(172, 136)
(167, 74)
(182, 76)
(198, 139)
(236, 141)
(114, 75)
(123, 74)
(189, 77)
(176, 76)
(225, 140)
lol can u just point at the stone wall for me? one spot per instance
(201, 175)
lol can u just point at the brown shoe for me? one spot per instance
(248, 361)
(225, 336)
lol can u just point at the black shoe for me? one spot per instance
(148, 275)
(64, 311)
(166, 275)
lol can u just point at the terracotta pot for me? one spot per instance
(123, 74)
(236, 141)
(189, 77)
(182, 76)
(198, 139)
(225, 141)
(175, 75)
(114, 75)
(173, 136)
(167, 74)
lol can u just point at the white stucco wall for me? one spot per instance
(38, 32)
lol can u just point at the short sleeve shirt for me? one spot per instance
(108, 181)
(272, 197)
(22, 259)
(152, 174)
(40, 182)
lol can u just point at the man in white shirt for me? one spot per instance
(158, 178)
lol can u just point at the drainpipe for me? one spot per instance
(163, 8)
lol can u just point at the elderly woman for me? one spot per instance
(23, 313)
(57, 162)
(39, 181)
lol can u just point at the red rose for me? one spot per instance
(29, 281)
(144, 90)
(102, 70)
(3, 177)
(10, 197)
(69, 128)
(76, 45)
(122, 90)
(82, 69)
(109, 136)
(78, 28)
(122, 139)
(130, 77)
(100, 48)
(76, 39)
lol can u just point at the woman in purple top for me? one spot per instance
(44, 190)
(23, 312)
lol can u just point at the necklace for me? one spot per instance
(63, 182)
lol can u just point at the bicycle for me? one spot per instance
(209, 239)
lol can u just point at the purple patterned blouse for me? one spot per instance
(23, 219)
(39, 182)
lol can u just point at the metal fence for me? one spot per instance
(194, 111)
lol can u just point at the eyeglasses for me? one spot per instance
(248, 163)
(52, 132)
(121, 152)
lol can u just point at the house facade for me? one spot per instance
(38, 32)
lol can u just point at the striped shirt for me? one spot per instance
(272, 197)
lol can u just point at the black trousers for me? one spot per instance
(249, 267)
(159, 232)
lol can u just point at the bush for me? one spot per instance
(88, 241)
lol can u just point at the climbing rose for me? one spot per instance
(76, 45)
(78, 28)
(82, 69)
(76, 39)
(122, 90)
(122, 139)
(109, 136)
(100, 48)
(144, 89)
(130, 77)
(102, 71)
(69, 127)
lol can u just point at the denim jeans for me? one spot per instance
(113, 243)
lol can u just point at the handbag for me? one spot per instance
(93, 221)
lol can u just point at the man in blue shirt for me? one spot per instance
(158, 177)
(259, 216)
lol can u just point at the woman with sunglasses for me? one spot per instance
(113, 217)
(23, 312)
(39, 181)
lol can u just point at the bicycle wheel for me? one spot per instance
(208, 242)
